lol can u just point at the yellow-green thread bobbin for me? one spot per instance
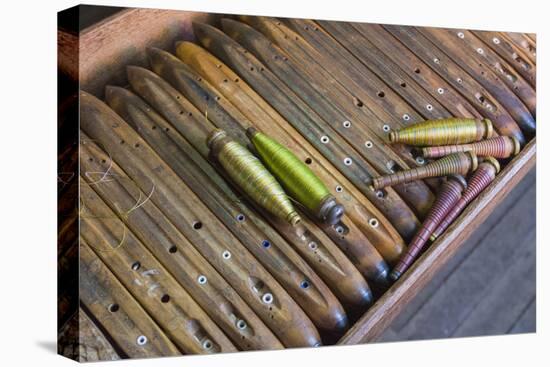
(251, 176)
(443, 132)
(297, 178)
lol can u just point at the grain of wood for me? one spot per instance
(200, 225)
(445, 40)
(374, 59)
(124, 38)
(173, 309)
(448, 69)
(280, 102)
(222, 114)
(509, 52)
(266, 119)
(428, 79)
(322, 104)
(80, 339)
(111, 63)
(180, 257)
(524, 43)
(119, 314)
(329, 63)
(281, 260)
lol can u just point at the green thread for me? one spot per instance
(443, 132)
(295, 176)
(248, 172)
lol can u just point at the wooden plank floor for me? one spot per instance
(488, 288)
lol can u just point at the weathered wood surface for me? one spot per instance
(524, 43)
(509, 52)
(280, 259)
(216, 296)
(527, 322)
(333, 66)
(274, 95)
(318, 107)
(122, 37)
(67, 47)
(347, 35)
(234, 106)
(224, 115)
(148, 281)
(196, 220)
(445, 93)
(119, 314)
(80, 339)
(471, 295)
(506, 72)
(267, 120)
(443, 39)
(458, 78)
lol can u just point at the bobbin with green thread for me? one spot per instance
(248, 172)
(297, 178)
(447, 131)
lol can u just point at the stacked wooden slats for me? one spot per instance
(176, 260)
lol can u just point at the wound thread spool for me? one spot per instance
(443, 132)
(450, 193)
(457, 163)
(251, 176)
(297, 178)
(481, 178)
(498, 147)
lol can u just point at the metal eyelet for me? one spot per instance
(324, 139)
(406, 117)
(368, 144)
(386, 128)
(141, 340)
(373, 222)
(226, 255)
(346, 124)
(241, 324)
(202, 279)
(440, 90)
(267, 298)
(348, 161)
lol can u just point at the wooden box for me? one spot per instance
(104, 50)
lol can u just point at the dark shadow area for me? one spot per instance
(48, 345)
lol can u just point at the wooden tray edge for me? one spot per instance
(371, 325)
